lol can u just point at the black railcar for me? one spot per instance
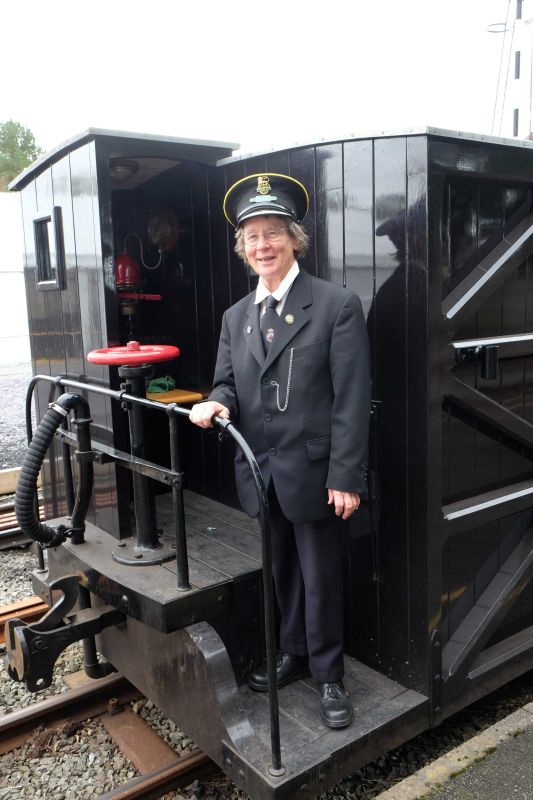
(434, 231)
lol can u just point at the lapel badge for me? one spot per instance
(249, 329)
(289, 319)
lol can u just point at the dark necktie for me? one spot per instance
(269, 321)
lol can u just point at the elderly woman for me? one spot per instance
(293, 373)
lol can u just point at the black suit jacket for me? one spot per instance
(320, 441)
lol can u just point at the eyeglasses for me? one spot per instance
(271, 235)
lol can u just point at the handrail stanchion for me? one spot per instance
(182, 564)
(276, 769)
(39, 552)
(134, 382)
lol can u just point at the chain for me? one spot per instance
(276, 384)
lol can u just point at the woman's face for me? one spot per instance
(271, 258)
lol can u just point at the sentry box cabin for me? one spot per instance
(125, 240)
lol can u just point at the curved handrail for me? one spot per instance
(277, 768)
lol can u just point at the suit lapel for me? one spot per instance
(300, 297)
(252, 332)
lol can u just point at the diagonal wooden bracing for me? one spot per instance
(472, 511)
(495, 415)
(483, 619)
(487, 276)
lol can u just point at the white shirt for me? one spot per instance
(261, 293)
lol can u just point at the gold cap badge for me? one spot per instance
(263, 184)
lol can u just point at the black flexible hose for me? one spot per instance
(31, 466)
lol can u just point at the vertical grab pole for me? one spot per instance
(277, 769)
(147, 538)
(41, 566)
(67, 461)
(182, 564)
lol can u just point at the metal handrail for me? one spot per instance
(173, 411)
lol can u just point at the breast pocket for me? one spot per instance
(313, 349)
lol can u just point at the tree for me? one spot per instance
(17, 151)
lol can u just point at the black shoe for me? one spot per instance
(335, 707)
(288, 668)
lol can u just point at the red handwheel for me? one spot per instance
(133, 354)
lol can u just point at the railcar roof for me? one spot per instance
(385, 134)
(222, 153)
(203, 150)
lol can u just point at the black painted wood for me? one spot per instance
(408, 222)
(388, 321)
(493, 604)
(217, 537)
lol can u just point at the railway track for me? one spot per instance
(29, 610)
(108, 700)
(10, 534)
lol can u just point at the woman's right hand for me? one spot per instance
(202, 413)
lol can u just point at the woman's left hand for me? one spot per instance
(345, 502)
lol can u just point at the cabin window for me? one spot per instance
(48, 235)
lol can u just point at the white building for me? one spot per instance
(14, 337)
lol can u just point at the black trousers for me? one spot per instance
(307, 565)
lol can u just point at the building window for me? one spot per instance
(517, 64)
(515, 122)
(519, 9)
(49, 251)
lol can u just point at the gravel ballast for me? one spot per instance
(76, 761)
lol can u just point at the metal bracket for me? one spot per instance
(104, 454)
(32, 650)
(486, 353)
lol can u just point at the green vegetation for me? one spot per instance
(17, 151)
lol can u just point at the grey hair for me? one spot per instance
(295, 230)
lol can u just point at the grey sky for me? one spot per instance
(259, 74)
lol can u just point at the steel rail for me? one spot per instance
(81, 703)
(13, 538)
(29, 610)
(92, 701)
(153, 785)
